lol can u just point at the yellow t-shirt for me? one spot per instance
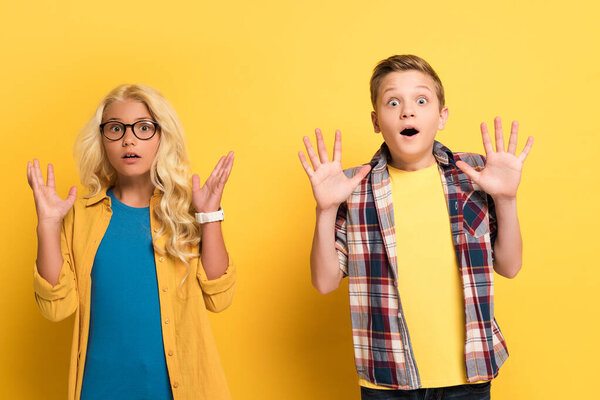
(429, 280)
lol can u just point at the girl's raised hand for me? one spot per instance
(329, 184)
(208, 197)
(50, 208)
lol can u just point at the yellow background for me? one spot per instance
(255, 76)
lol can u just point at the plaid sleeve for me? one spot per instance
(492, 219)
(340, 237)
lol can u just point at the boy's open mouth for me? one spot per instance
(409, 132)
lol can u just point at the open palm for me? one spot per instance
(501, 175)
(207, 198)
(330, 185)
(50, 207)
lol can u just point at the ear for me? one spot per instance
(375, 123)
(443, 118)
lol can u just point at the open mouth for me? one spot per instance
(131, 156)
(409, 132)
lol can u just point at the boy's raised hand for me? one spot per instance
(501, 175)
(329, 184)
(207, 198)
(50, 208)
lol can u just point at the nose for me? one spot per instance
(407, 111)
(128, 137)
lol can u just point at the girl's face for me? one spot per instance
(130, 156)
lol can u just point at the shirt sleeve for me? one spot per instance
(492, 220)
(218, 293)
(59, 301)
(340, 237)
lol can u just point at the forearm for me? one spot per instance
(325, 271)
(213, 252)
(49, 258)
(508, 248)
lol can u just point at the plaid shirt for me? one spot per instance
(366, 247)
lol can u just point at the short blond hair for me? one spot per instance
(404, 62)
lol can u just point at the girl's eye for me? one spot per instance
(421, 100)
(114, 128)
(394, 103)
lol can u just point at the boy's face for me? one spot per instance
(408, 116)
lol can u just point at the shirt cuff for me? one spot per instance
(46, 291)
(221, 284)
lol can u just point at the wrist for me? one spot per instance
(505, 200)
(44, 226)
(323, 212)
(210, 217)
(207, 209)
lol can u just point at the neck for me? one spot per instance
(412, 164)
(134, 192)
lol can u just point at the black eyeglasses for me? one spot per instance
(115, 130)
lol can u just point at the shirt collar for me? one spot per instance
(442, 154)
(101, 195)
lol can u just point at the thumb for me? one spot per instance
(360, 175)
(195, 182)
(468, 170)
(72, 196)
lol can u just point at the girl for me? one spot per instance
(132, 260)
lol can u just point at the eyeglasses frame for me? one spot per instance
(156, 128)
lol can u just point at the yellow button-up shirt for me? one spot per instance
(194, 368)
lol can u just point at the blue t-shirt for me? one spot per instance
(125, 354)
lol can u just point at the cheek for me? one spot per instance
(110, 150)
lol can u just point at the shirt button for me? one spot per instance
(170, 352)
(161, 259)
(165, 289)
(167, 321)
(175, 385)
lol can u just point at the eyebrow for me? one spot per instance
(137, 119)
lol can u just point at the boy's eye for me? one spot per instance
(421, 100)
(393, 103)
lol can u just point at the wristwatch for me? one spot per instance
(218, 215)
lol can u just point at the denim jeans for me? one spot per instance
(477, 391)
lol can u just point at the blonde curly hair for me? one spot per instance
(170, 171)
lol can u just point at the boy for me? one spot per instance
(417, 231)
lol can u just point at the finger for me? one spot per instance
(228, 167)
(514, 134)
(311, 153)
(29, 177)
(487, 142)
(216, 171)
(527, 149)
(37, 173)
(337, 147)
(307, 168)
(195, 183)
(321, 146)
(72, 196)
(468, 170)
(226, 164)
(50, 176)
(499, 135)
(360, 175)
